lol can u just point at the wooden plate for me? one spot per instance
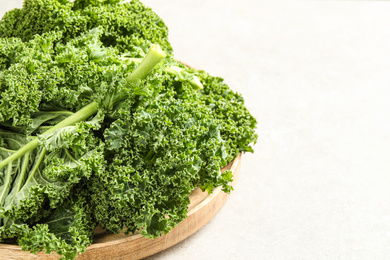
(202, 209)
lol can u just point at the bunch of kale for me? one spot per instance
(99, 125)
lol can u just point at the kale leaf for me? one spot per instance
(120, 22)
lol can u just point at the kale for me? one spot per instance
(100, 125)
(120, 22)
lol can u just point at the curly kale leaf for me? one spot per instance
(45, 204)
(68, 230)
(36, 17)
(237, 124)
(44, 177)
(167, 148)
(172, 141)
(58, 77)
(28, 77)
(119, 21)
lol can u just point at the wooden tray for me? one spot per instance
(202, 209)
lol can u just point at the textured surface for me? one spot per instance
(316, 75)
(202, 209)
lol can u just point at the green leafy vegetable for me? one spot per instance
(125, 25)
(100, 125)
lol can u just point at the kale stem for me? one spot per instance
(175, 71)
(79, 116)
(7, 184)
(35, 168)
(154, 56)
(23, 172)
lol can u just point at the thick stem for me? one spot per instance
(79, 116)
(154, 56)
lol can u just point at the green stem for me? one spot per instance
(79, 116)
(35, 168)
(7, 184)
(154, 56)
(175, 71)
(23, 172)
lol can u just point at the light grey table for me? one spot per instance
(316, 76)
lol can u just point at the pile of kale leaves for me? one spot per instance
(99, 125)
